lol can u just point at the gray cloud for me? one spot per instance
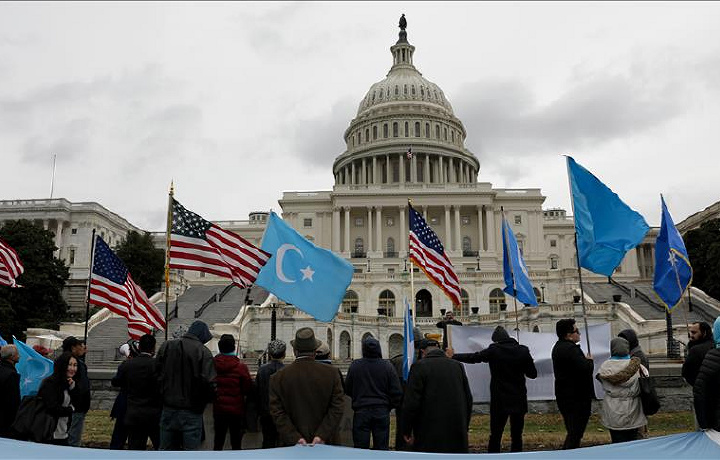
(320, 140)
(506, 122)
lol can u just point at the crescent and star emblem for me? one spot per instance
(307, 272)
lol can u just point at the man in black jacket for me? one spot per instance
(9, 388)
(438, 403)
(138, 378)
(374, 387)
(510, 363)
(701, 341)
(706, 391)
(574, 389)
(81, 398)
(276, 351)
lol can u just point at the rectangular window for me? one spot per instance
(553, 243)
(307, 222)
(518, 220)
(385, 130)
(553, 264)
(465, 220)
(71, 257)
(389, 221)
(73, 231)
(359, 221)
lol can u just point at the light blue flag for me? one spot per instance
(311, 278)
(409, 342)
(3, 342)
(606, 227)
(673, 272)
(32, 367)
(515, 272)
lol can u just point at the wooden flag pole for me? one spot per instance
(167, 260)
(87, 297)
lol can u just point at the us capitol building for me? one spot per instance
(404, 143)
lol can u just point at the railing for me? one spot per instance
(214, 298)
(470, 253)
(358, 255)
(390, 254)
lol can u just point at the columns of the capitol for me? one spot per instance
(375, 170)
(480, 232)
(426, 169)
(352, 175)
(413, 169)
(490, 219)
(347, 231)
(387, 168)
(448, 239)
(403, 232)
(457, 240)
(336, 230)
(402, 168)
(369, 230)
(58, 237)
(425, 211)
(441, 176)
(378, 229)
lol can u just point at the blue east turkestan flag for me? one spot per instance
(409, 342)
(673, 272)
(515, 272)
(606, 227)
(311, 278)
(32, 367)
(2, 341)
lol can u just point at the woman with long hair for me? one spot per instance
(56, 391)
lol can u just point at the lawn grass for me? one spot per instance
(542, 431)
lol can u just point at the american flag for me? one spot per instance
(10, 266)
(409, 153)
(427, 252)
(112, 287)
(196, 244)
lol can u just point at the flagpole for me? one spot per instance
(167, 260)
(512, 273)
(577, 255)
(412, 276)
(87, 297)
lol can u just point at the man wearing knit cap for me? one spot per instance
(306, 397)
(706, 391)
(510, 363)
(276, 350)
(187, 373)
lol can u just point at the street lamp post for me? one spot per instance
(478, 261)
(542, 291)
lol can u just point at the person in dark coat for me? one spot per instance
(119, 434)
(306, 397)
(398, 361)
(276, 351)
(574, 390)
(81, 400)
(448, 320)
(437, 405)
(374, 387)
(58, 392)
(9, 388)
(701, 341)
(635, 350)
(706, 391)
(510, 363)
(233, 384)
(138, 378)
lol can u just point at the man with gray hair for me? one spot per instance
(276, 351)
(9, 388)
(306, 397)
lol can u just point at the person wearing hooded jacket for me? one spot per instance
(622, 411)
(635, 350)
(706, 391)
(510, 363)
(374, 387)
(186, 373)
(233, 384)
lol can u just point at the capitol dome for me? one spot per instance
(405, 131)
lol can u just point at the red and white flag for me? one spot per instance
(197, 244)
(409, 153)
(112, 287)
(10, 266)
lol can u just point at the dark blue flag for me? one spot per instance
(673, 272)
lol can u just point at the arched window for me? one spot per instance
(437, 132)
(464, 308)
(427, 130)
(466, 245)
(345, 345)
(367, 335)
(367, 135)
(359, 248)
(452, 136)
(397, 90)
(413, 90)
(390, 248)
(497, 298)
(386, 302)
(395, 129)
(405, 86)
(407, 129)
(374, 132)
(395, 345)
(553, 262)
(422, 91)
(445, 133)
(385, 130)
(350, 302)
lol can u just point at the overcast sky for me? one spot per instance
(238, 102)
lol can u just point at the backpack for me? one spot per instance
(32, 422)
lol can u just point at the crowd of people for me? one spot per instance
(163, 394)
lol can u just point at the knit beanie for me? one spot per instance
(619, 347)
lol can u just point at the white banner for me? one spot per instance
(469, 339)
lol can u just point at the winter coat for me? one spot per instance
(372, 381)
(635, 350)
(437, 405)
(52, 393)
(9, 395)
(262, 381)
(510, 363)
(306, 400)
(573, 373)
(621, 406)
(233, 385)
(697, 349)
(138, 378)
(706, 391)
(81, 398)
(186, 371)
